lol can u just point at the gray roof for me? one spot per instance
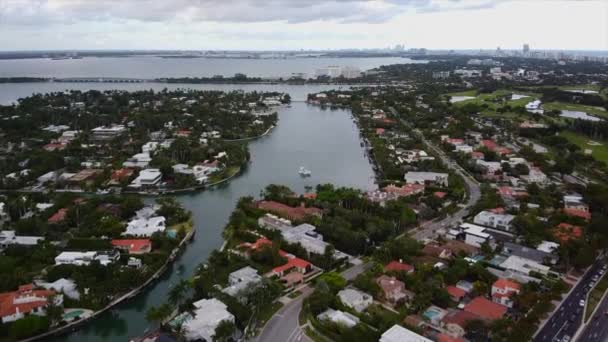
(527, 252)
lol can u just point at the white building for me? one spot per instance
(398, 333)
(475, 235)
(489, 166)
(310, 240)
(103, 133)
(524, 266)
(535, 176)
(62, 285)
(270, 221)
(138, 160)
(534, 107)
(85, 258)
(355, 299)
(494, 220)
(339, 317)
(424, 177)
(145, 226)
(464, 148)
(208, 314)
(241, 280)
(147, 177)
(8, 237)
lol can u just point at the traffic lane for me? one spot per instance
(597, 329)
(284, 324)
(569, 307)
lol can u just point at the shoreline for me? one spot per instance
(73, 326)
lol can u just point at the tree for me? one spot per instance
(177, 293)
(158, 314)
(53, 311)
(224, 331)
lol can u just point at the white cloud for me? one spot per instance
(294, 24)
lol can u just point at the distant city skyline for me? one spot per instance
(302, 24)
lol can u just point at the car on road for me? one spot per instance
(566, 339)
(581, 302)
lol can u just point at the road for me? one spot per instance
(567, 319)
(284, 326)
(597, 328)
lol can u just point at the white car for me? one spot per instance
(581, 302)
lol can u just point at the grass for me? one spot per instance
(598, 152)
(597, 111)
(596, 295)
(267, 312)
(187, 226)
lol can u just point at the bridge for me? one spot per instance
(102, 80)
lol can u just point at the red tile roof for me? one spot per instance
(58, 216)
(379, 131)
(292, 263)
(489, 144)
(293, 213)
(120, 174)
(404, 190)
(7, 300)
(455, 292)
(398, 267)
(485, 309)
(134, 246)
(439, 194)
(459, 318)
(503, 283)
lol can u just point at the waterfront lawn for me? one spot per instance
(599, 152)
(598, 111)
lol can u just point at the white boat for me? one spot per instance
(304, 172)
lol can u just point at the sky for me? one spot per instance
(302, 24)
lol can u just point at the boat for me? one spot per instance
(304, 172)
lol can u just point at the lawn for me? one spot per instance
(595, 296)
(489, 98)
(598, 111)
(599, 152)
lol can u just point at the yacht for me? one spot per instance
(304, 172)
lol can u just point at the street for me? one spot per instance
(567, 319)
(597, 327)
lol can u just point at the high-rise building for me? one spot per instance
(526, 49)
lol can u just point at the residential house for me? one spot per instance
(145, 226)
(524, 266)
(494, 220)
(455, 322)
(133, 246)
(503, 291)
(242, 280)
(434, 314)
(58, 217)
(9, 237)
(208, 314)
(292, 213)
(338, 317)
(147, 178)
(565, 232)
(273, 222)
(437, 251)
(398, 333)
(26, 301)
(355, 299)
(476, 235)
(394, 290)
(485, 309)
(536, 255)
(85, 258)
(456, 293)
(426, 177)
(106, 133)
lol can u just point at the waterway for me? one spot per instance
(324, 141)
(156, 67)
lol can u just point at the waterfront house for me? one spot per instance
(145, 226)
(291, 213)
(26, 301)
(147, 178)
(426, 177)
(355, 299)
(244, 279)
(208, 314)
(273, 222)
(133, 246)
(85, 258)
(9, 237)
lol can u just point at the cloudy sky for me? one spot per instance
(302, 24)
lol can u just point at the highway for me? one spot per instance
(597, 328)
(567, 319)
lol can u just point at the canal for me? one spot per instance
(324, 141)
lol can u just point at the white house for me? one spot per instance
(145, 226)
(503, 290)
(494, 220)
(534, 107)
(208, 314)
(85, 258)
(147, 177)
(8, 237)
(398, 333)
(138, 160)
(26, 301)
(475, 235)
(426, 177)
(339, 317)
(535, 176)
(355, 299)
(241, 280)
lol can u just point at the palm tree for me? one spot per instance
(224, 331)
(158, 314)
(178, 292)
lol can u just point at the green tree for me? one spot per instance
(224, 331)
